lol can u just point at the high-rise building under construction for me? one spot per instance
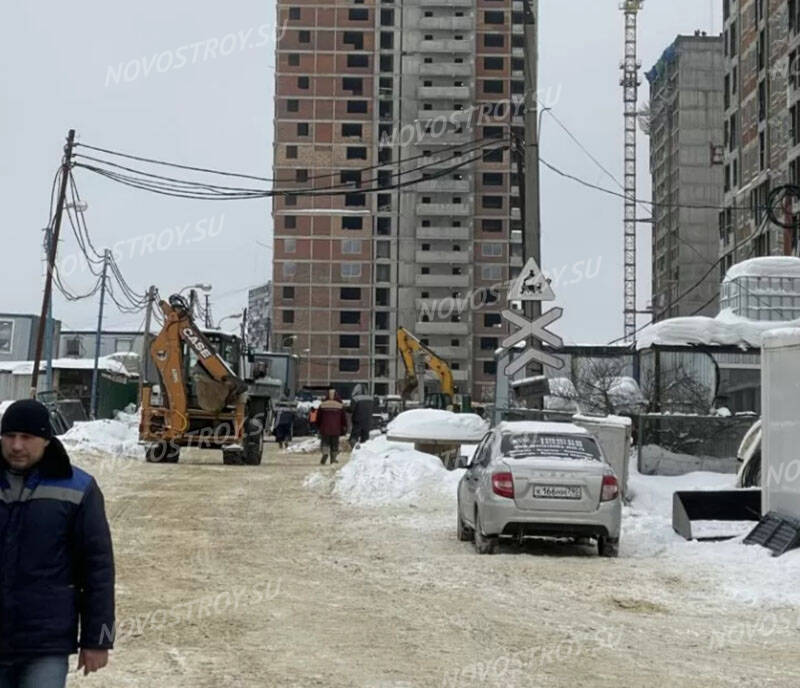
(396, 127)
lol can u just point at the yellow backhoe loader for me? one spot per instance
(202, 401)
(409, 347)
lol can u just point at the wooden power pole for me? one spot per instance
(51, 259)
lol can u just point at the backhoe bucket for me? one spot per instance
(716, 505)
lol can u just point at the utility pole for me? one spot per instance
(532, 217)
(145, 357)
(208, 313)
(48, 333)
(51, 259)
(97, 338)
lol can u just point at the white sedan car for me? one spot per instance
(539, 479)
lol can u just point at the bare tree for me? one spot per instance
(678, 390)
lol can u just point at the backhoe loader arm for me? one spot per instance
(407, 344)
(167, 353)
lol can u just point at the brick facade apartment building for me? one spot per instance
(366, 92)
(761, 123)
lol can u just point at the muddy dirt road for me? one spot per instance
(240, 576)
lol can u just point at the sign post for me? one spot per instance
(531, 285)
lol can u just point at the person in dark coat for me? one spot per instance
(284, 422)
(332, 424)
(56, 559)
(361, 407)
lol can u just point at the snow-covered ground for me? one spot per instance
(393, 476)
(307, 445)
(118, 437)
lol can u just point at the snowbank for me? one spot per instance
(119, 437)
(381, 472)
(437, 424)
(656, 460)
(743, 572)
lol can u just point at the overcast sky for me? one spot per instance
(193, 82)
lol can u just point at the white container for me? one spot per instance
(614, 435)
(780, 422)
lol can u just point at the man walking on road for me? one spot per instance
(361, 407)
(56, 560)
(332, 424)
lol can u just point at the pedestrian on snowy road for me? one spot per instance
(361, 407)
(56, 560)
(332, 424)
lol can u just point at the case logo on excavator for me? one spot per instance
(197, 344)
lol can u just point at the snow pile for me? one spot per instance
(119, 437)
(305, 446)
(434, 424)
(563, 396)
(727, 329)
(657, 460)
(625, 395)
(743, 572)
(381, 472)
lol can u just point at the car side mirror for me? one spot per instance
(462, 462)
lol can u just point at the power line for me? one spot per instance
(227, 173)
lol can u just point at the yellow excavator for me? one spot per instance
(409, 347)
(201, 400)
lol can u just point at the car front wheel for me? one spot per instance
(484, 544)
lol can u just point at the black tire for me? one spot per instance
(463, 531)
(606, 547)
(484, 544)
(253, 443)
(752, 474)
(162, 452)
(232, 457)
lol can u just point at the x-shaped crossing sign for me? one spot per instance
(535, 329)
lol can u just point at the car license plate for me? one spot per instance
(556, 492)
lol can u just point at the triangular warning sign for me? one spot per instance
(531, 285)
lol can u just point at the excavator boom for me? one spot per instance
(407, 345)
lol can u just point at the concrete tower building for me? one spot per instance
(408, 111)
(686, 111)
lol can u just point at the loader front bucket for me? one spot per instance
(716, 505)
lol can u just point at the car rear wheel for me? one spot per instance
(464, 532)
(607, 547)
(484, 544)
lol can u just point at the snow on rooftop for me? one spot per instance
(768, 266)
(727, 329)
(107, 363)
(781, 337)
(622, 421)
(435, 424)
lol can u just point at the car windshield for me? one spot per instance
(529, 444)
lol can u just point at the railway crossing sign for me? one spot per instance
(536, 329)
(531, 285)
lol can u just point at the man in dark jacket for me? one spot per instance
(332, 424)
(361, 407)
(56, 560)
